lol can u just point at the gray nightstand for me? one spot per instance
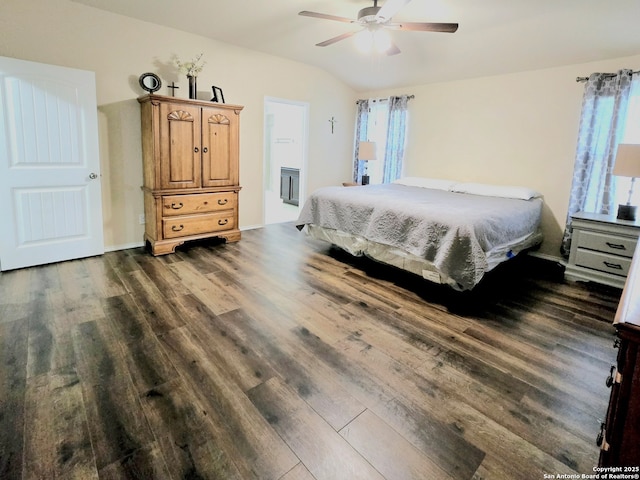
(601, 248)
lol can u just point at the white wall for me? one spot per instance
(118, 49)
(518, 129)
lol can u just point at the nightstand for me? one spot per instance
(601, 248)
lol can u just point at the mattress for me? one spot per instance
(445, 236)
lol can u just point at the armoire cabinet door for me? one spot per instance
(219, 147)
(180, 146)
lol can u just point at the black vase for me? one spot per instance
(193, 88)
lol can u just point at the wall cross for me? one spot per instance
(333, 122)
(173, 88)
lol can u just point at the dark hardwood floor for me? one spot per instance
(279, 357)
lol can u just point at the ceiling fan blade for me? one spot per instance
(426, 27)
(389, 9)
(305, 13)
(333, 40)
(393, 50)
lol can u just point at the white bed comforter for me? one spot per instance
(456, 232)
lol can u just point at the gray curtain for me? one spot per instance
(604, 110)
(396, 134)
(361, 136)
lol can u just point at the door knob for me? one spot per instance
(93, 176)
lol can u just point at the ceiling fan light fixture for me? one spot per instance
(371, 40)
(381, 41)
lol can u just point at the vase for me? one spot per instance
(193, 89)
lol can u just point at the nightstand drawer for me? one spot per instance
(603, 262)
(607, 243)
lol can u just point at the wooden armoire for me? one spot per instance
(190, 151)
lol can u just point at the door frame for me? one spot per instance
(305, 149)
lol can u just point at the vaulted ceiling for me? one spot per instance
(494, 36)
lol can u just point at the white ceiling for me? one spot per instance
(494, 37)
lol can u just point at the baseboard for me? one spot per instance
(115, 248)
(251, 227)
(550, 258)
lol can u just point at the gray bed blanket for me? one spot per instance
(456, 232)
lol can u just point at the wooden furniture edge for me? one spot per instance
(164, 247)
(154, 99)
(628, 311)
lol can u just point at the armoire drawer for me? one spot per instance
(184, 226)
(198, 203)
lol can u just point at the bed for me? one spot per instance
(447, 232)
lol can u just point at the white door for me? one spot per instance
(50, 195)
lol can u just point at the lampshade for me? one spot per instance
(367, 151)
(627, 160)
(627, 165)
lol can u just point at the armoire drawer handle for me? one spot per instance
(176, 228)
(223, 201)
(223, 221)
(600, 437)
(615, 266)
(177, 206)
(196, 149)
(616, 246)
(205, 149)
(609, 381)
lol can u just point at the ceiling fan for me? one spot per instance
(375, 19)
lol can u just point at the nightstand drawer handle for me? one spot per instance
(177, 206)
(615, 266)
(616, 246)
(176, 228)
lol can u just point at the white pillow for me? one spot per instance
(522, 193)
(434, 183)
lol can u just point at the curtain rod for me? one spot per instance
(409, 97)
(584, 79)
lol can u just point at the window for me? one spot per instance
(610, 116)
(383, 121)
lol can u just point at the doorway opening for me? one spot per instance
(285, 155)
